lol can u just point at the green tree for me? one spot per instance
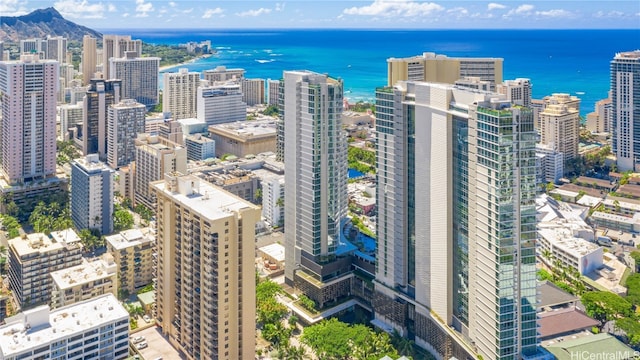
(144, 212)
(122, 219)
(280, 202)
(271, 110)
(11, 225)
(276, 334)
(605, 306)
(90, 239)
(50, 217)
(306, 303)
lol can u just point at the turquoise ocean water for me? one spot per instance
(570, 61)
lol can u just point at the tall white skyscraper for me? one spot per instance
(125, 120)
(455, 262)
(625, 98)
(139, 77)
(28, 128)
(179, 95)
(218, 104)
(315, 157)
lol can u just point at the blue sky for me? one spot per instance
(113, 14)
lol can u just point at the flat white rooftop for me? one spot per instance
(210, 201)
(562, 238)
(129, 238)
(39, 243)
(41, 326)
(84, 273)
(275, 251)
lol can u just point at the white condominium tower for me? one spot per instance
(117, 46)
(456, 220)
(625, 98)
(315, 157)
(219, 104)
(180, 93)
(125, 120)
(442, 69)
(28, 128)
(205, 277)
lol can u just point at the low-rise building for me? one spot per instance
(273, 200)
(571, 251)
(85, 281)
(31, 260)
(617, 222)
(97, 328)
(242, 183)
(133, 253)
(199, 147)
(244, 137)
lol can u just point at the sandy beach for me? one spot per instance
(167, 67)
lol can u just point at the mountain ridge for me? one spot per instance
(40, 23)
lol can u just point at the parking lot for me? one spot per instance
(158, 346)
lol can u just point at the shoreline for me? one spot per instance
(197, 58)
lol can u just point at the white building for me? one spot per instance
(273, 91)
(117, 46)
(85, 281)
(93, 329)
(625, 98)
(219, 104)
(549, 164)
(200, 147)
(125, 120)
(517, 91)
(273, 200)
(222, 74)
(559, 242)
(560, 124)
(92, 194)
(180, 92)
(70, 115)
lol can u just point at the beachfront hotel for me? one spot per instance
(433, 67)
(625, 96)
(560, 124)
(205, 280)
(315, 157)
(456, 221)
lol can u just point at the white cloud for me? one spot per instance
(458, 11)
(210, 12)
(495, 6)
(79, 9)
(279, 6)
(12, 8)
(610, 14)
(523, 10)
(254, 13)
(126, 15)
(390, 8)
(111, 8)
(555, 13)
(172, 4)
(143, 8)
(187, 11)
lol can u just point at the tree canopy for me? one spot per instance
(605, 306)
(333, 339)
(46, 218)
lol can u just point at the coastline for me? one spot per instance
(197, 58)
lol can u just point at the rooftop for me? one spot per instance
(129, 238)
(551, 295)
(41, 326)
(39, 243)
(91, 163)
(562, 321)
(251, 128)
(276, 251)
(84, 273)
(210, 201)
(603, 345)
(563, 238)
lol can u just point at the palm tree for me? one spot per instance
(280, 202)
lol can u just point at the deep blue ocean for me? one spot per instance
(570, 61)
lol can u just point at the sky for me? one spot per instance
(443, 14)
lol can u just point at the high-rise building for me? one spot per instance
(34, 257)
(92, 194)
(172, 131)
(222, 74)
(273, 91)
(517, 91)
(273, 200)
(101, 94)
(252, 91)
(28, 128)
(219, 104)
(116, 46)
(455, 261)
(70, 116)
(57, 49)
(315, 157)
(89, 58)
(625, 99)
(442, 69)
(34, 46)
(133, 252)
(139, 77)
(205, 297)
(599, 121)
(155, 156)
(560, 124)
(199, 147)
(180, 93)
(97, 328)
(125, 120)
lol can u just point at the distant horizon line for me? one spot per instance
(146, 29)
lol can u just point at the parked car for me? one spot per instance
(142, 345)
(146, 318)
(137, 339)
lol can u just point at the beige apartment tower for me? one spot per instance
(180, 93)
(437, 68)
(89, 58)
(560, 124)
(205, 281)
(132, 251)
